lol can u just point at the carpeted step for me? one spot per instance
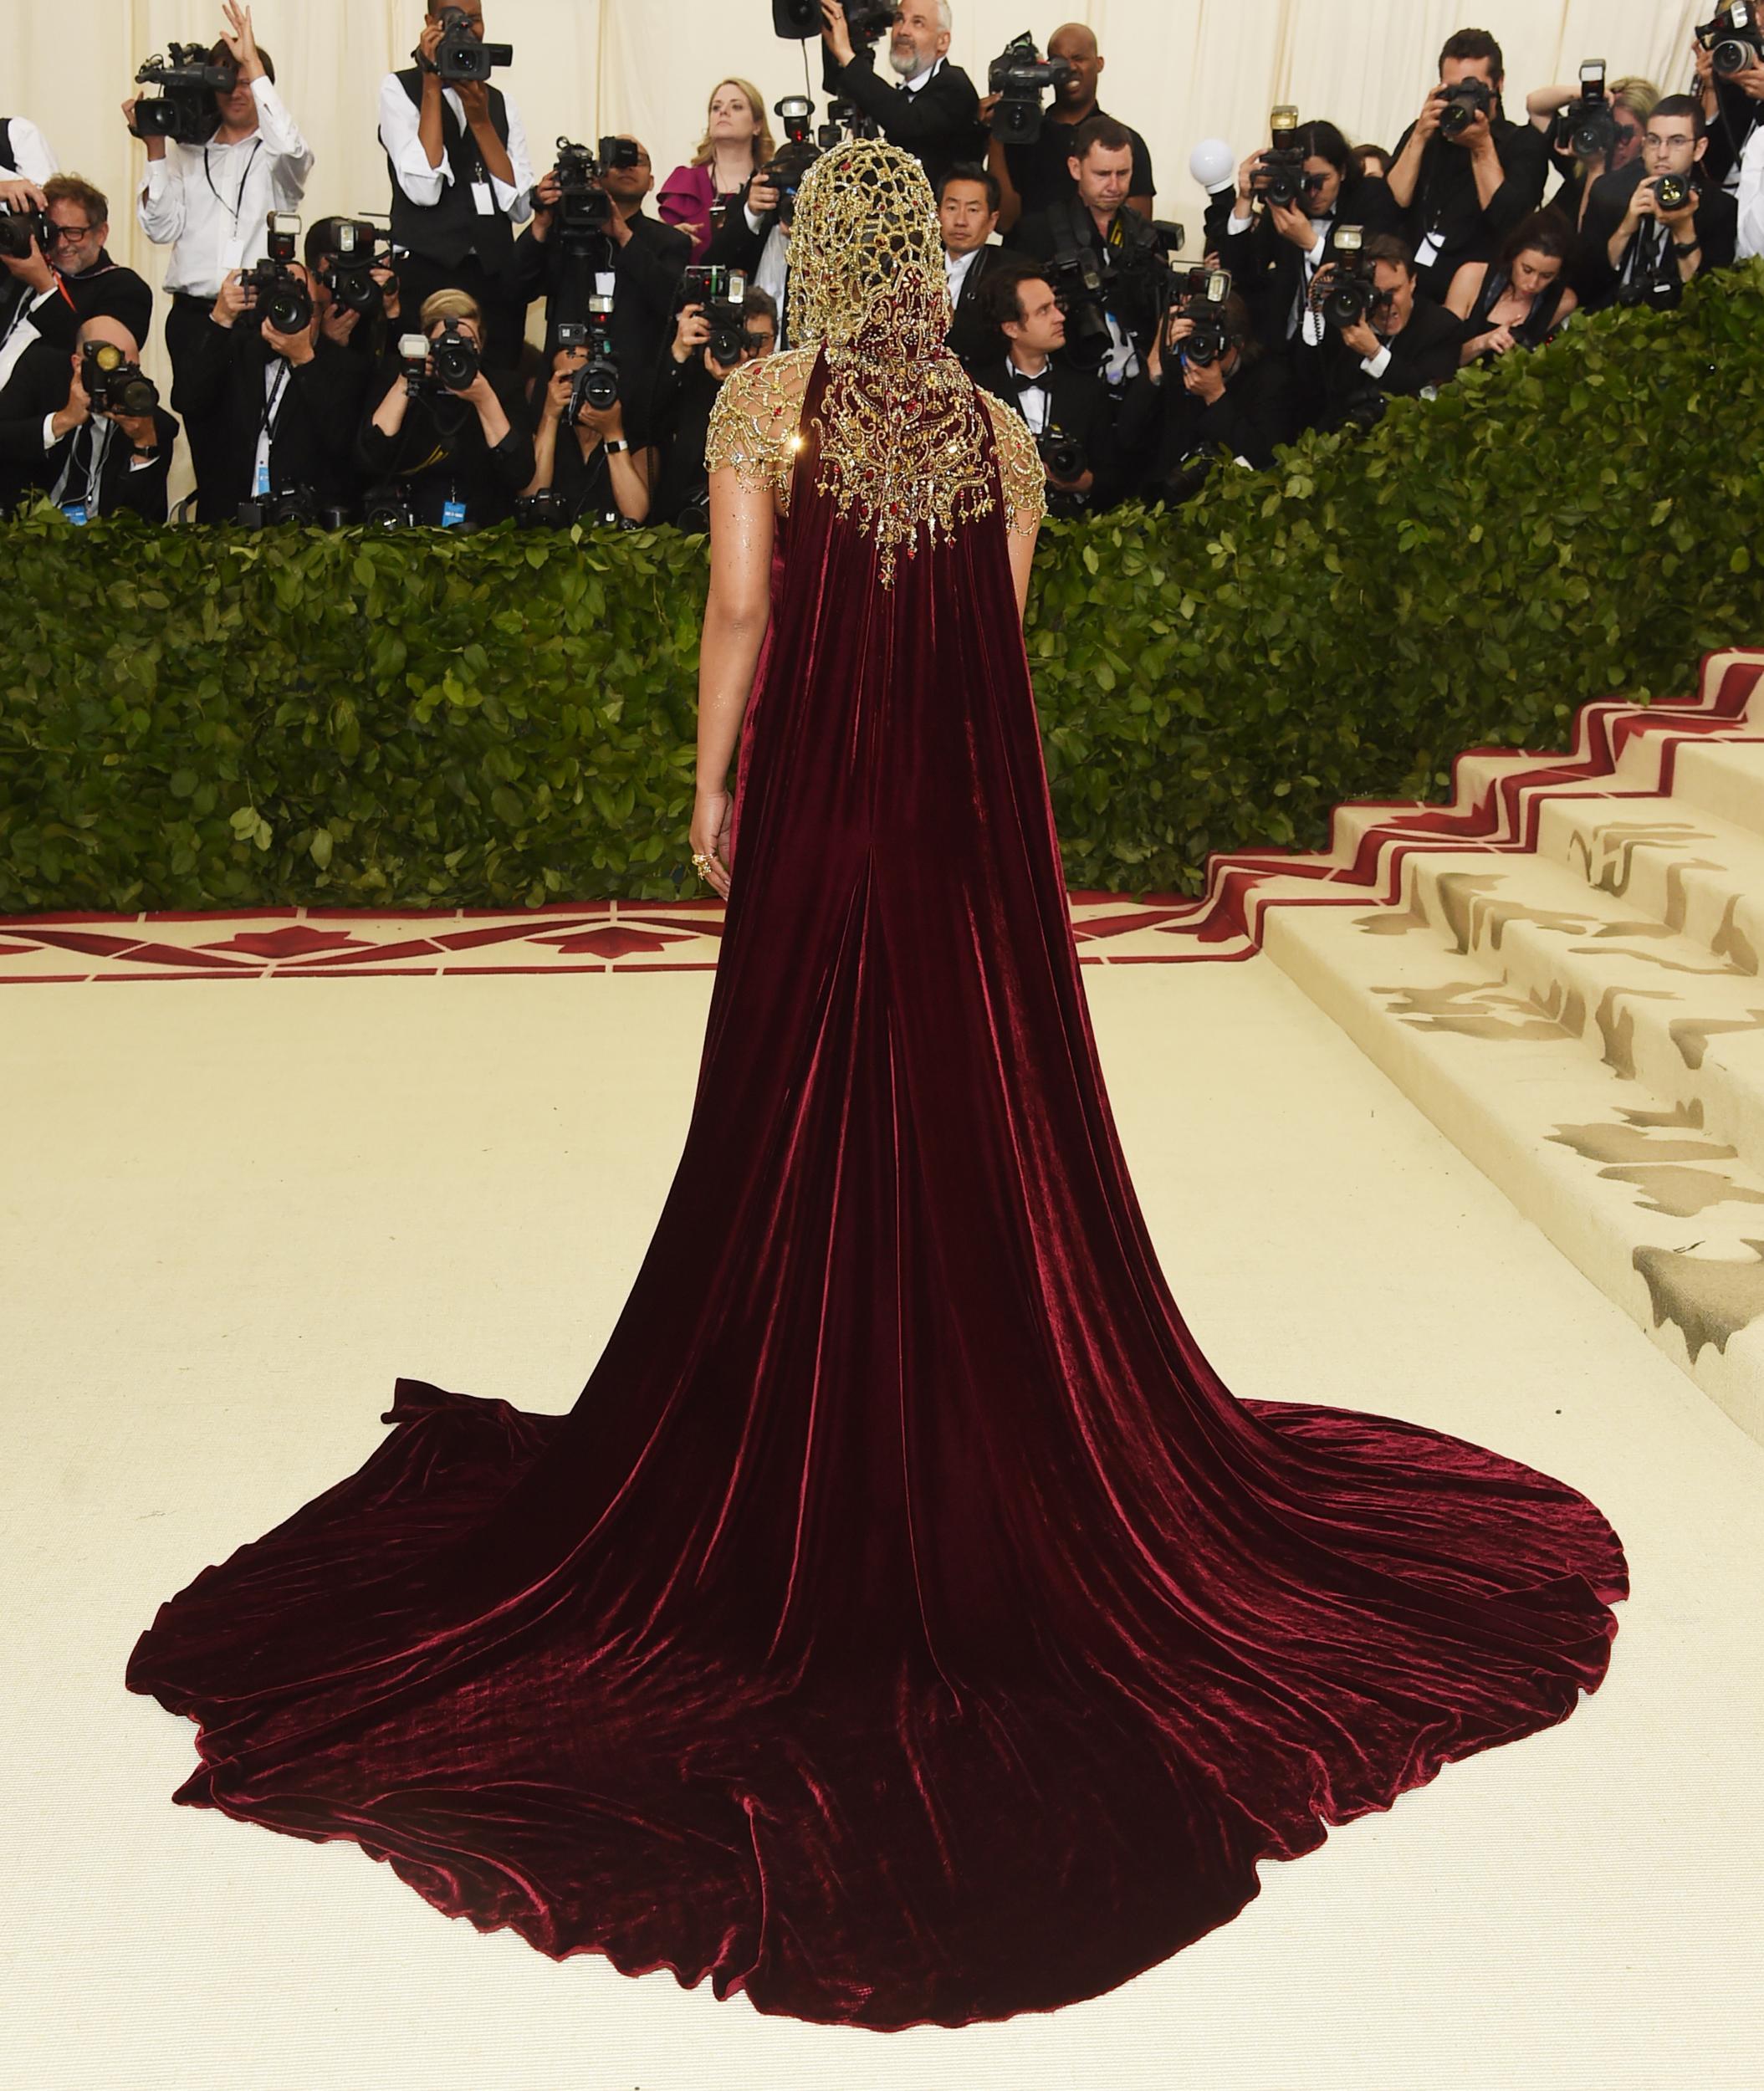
(1663, 1217)
(1724, 777)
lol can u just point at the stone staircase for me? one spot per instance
(1562, 967)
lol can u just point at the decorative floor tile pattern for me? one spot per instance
(306, 943)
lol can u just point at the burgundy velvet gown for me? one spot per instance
(905, 1624)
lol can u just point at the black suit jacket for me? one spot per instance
(107, 287)
(319, 410)
(972, 336)
(646, 272)
(938, 125)
(1078, 405)
(1425, 353)
(1163, 426)
(1717, 226)
(1136, 259)
(1446, 198)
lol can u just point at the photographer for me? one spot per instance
(687, 387)
(967, 214)
(1067, 410)
(1651, 229)
(640, 258)
(283, 404)
(1404, 344)
(1522, 299)
(1096, 224)
(736, 143)
(1274, 253)
(80, 224)
(456, 456)
(588, 469)
(365, 331)
(90, 461)
(1464, 176)
(1733, 107)
(25, 152)
(1207, 387)
(461, 181)
(1629, 104)
(930, 110)
(210, 204)
(1034, 177)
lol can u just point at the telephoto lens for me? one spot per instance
(1672, 192)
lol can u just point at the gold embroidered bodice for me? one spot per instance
(756, 425)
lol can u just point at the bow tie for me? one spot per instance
(1024, 383)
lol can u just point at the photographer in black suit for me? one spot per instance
(968, 212)
(1186, 409)
(638, 258)
(284, 407)
(461, 181)
(1067, 410)
(932, 110)
(1464, 177)
(1635, 245)
(685, 391)
(1405, 344)
(52, 441)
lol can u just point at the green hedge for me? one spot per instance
(193, 719)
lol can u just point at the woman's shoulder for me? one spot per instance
(1019, 462)
(689, 175)
(754, 424)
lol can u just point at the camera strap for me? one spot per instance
(236, 209)
(96, 435)
(275, 392)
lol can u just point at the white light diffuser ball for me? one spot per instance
(1212, 163)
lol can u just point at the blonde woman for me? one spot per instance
(738, 141)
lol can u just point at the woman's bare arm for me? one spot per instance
(742, 521)
(1022, 562)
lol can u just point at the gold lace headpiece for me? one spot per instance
(902, 432)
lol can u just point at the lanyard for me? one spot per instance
(273, 393)
(97, 438)
(236, 207)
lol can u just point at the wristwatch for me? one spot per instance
(612, 443)
(1686, 247)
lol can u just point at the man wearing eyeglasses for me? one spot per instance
(1637, 246)
(46, 295)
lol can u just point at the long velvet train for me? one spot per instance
(906, 1624)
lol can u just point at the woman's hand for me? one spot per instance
(561, 384)
(711, 811)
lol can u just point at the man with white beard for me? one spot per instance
(930, 108)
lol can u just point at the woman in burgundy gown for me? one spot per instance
(906, 1624)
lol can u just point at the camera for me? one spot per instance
(1203, 304)
(1465, 100)
(460, 58)
(584, 208)
(19, 229)
(1021, 76)
(1080, 281)
(1280, 177)
(1672, 192)
(349, 273)
(1590, 125)
(1733, 39)
(720, 291)
(455, 358)
(796, 20)
(273, 292)
(389, 508)
(547, 510)
(595, 385)
(299, 505)
(785, 170)
(1062, 455)
(845, 120)
(113, 384)
(188, 78)
(1346, 292)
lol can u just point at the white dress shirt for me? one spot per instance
(32, 159)
(1751, 195)
(399, 133)
(955, 272)
(212, 203)
(1035, 402)
(920, 79)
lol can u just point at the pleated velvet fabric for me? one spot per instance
(905, 1624)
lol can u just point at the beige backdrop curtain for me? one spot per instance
(1179, 70)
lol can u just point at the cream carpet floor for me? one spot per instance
(231, 1214)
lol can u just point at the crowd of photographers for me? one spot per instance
(377, 368)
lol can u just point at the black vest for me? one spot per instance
(6, 142)
(446, 231)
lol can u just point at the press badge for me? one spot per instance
(1429, 251)
(452, 514)
(233, 256)
(262, 482)
(75, 511)
(484, 199)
